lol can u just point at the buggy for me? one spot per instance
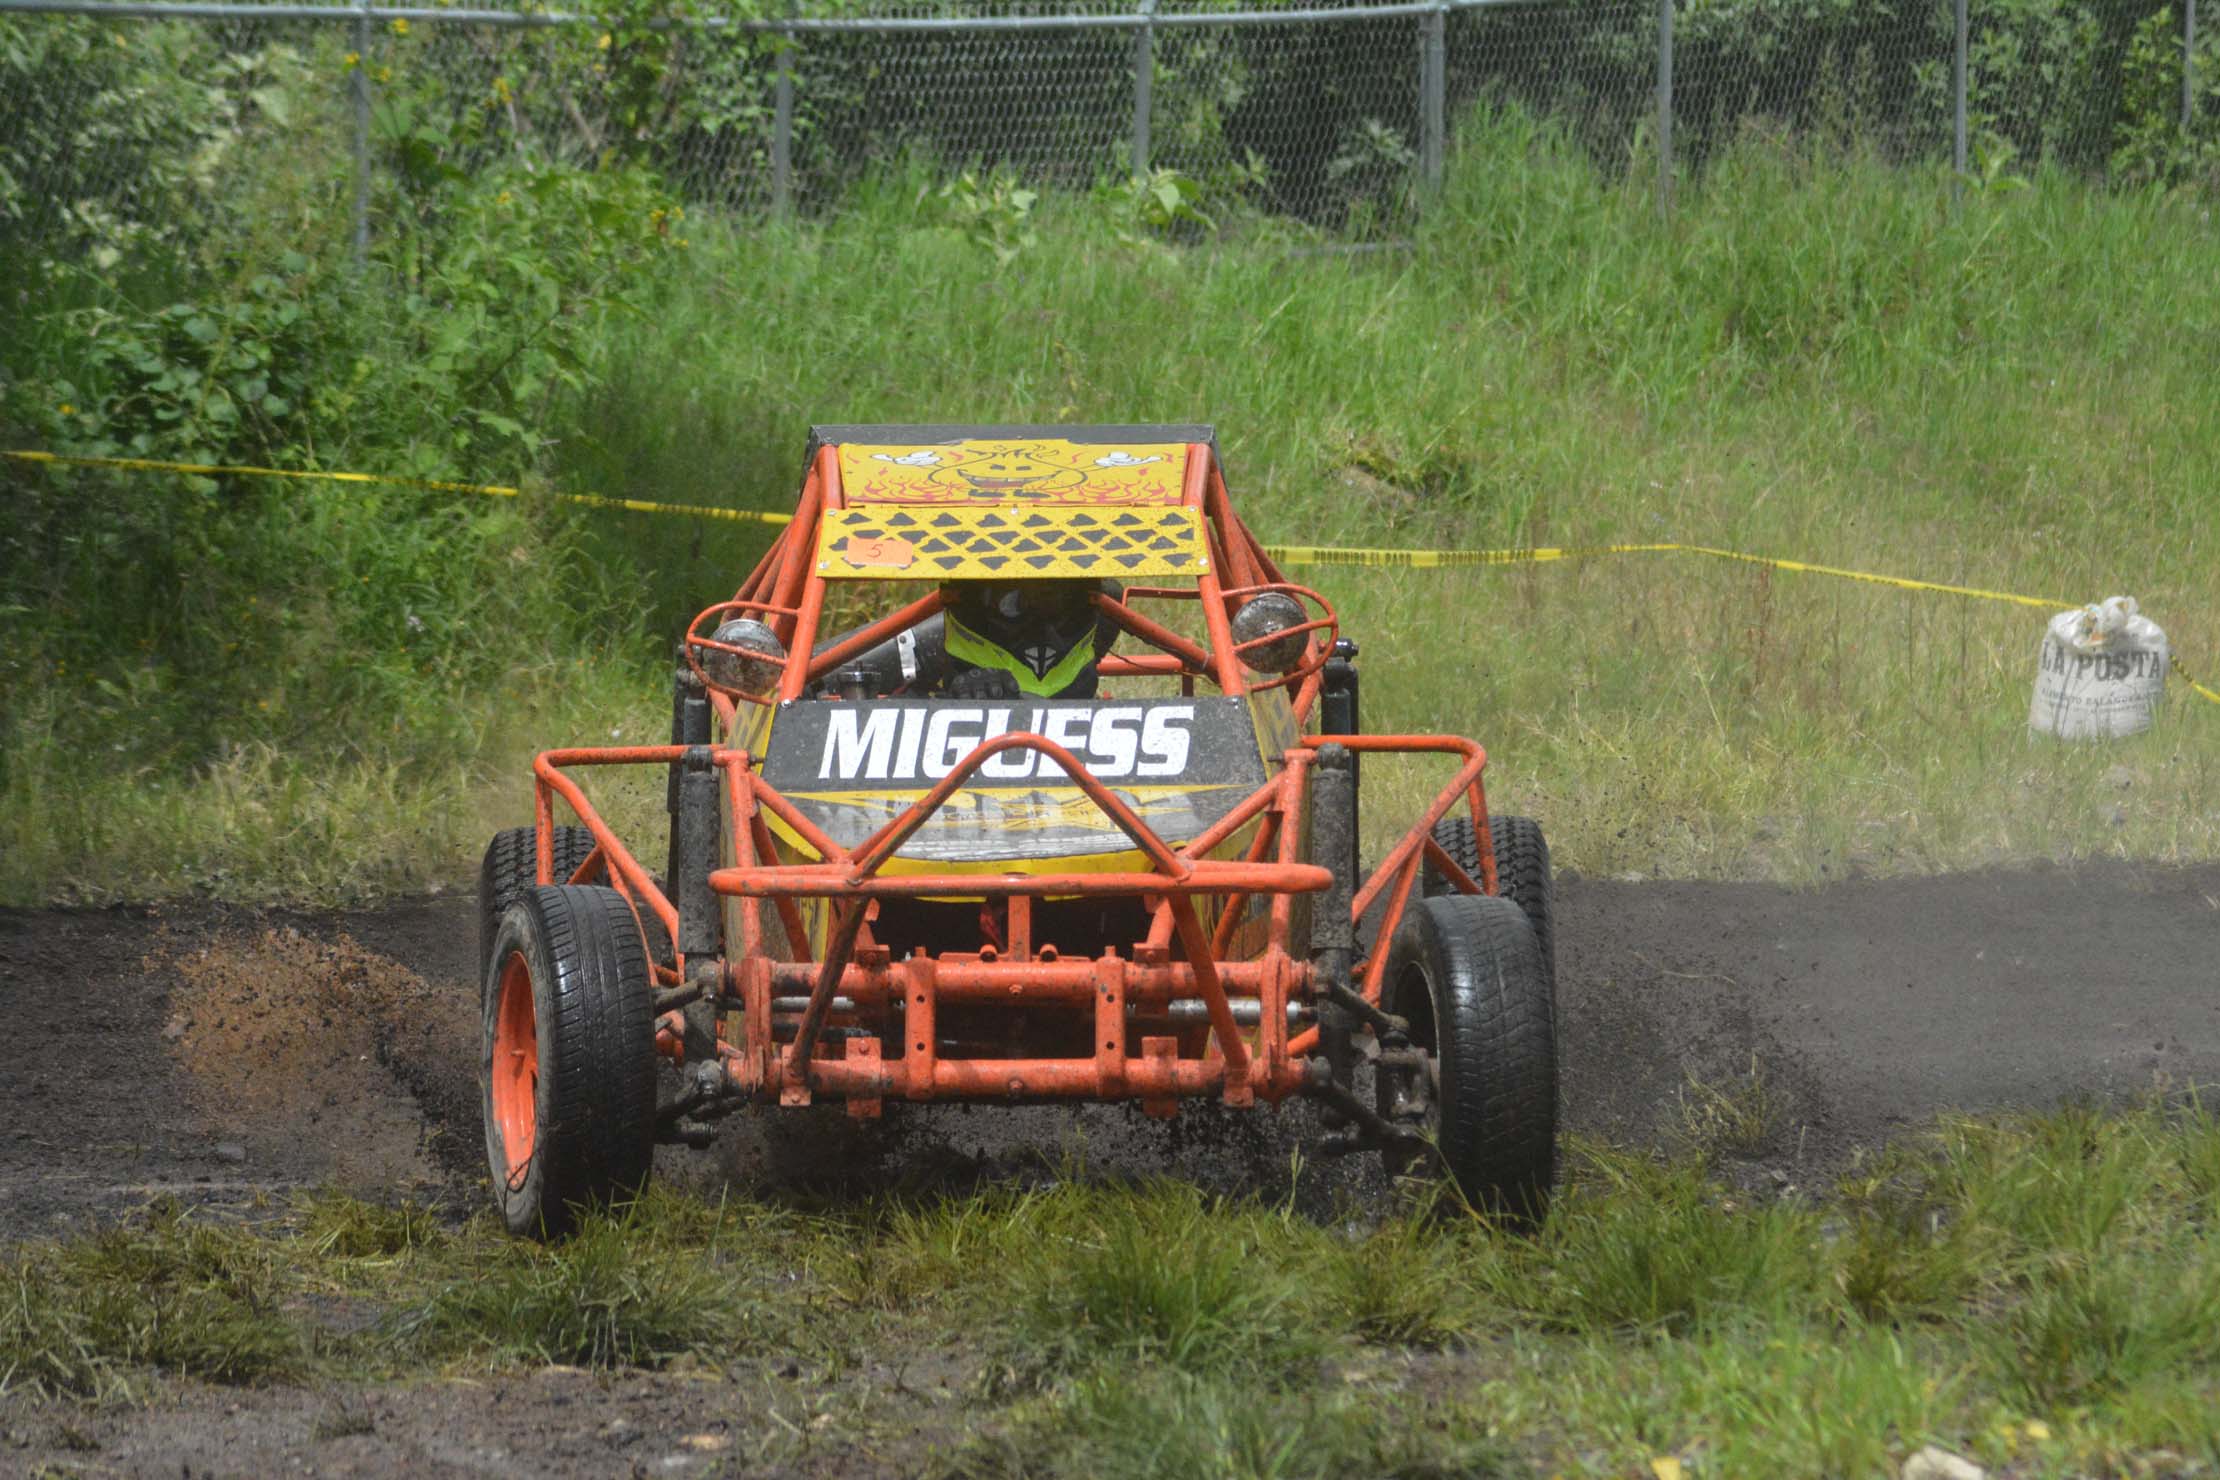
(1133, 878)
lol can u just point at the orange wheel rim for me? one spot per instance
(516, 1067)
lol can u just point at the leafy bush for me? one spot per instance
(1160, 204)
(996, 213)
(105, 146)
(210, 612)
(2151, 143)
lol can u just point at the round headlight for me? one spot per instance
(1263, 615)
(755, 670)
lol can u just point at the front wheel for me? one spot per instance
(1480, 1074)
(569, 1068)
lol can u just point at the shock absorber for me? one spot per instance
(694, 829)
(689, 726)
(1333, 815)
(1337, 715)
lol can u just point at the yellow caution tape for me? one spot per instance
(434, 485)
(1442, 559)
(2183, 674)
(1542, 554)
(1283, 554)
(1903, 583)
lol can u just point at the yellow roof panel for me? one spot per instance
(1010, 541)
(1023, 470)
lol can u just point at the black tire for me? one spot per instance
(588, 1137)
(511, 866)
(1466, 972)
(1522, 873)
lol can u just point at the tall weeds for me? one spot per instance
(1818, 355)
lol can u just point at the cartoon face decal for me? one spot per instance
(1009, 472)
(1044, 470)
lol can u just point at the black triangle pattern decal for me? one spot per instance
(986, 542)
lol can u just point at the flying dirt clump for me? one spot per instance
(312, 1056)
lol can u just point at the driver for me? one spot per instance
(1011, 638)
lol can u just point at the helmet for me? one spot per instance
(1045, 634)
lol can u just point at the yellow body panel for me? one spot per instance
(751, 730)
(1032, 469)
(1277, 733)
(1031, 811)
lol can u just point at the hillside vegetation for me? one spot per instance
(306, 690)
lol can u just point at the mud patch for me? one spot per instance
(553, 1422)
(225, 1058)
(1787, 1029)
(1869, 1007)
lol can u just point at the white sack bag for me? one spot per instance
(2100, 673)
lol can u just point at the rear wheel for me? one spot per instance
(511, 866)
(1480, 1075)
(569, 1067)
(1522, 872)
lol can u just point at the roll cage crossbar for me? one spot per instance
(785, 592)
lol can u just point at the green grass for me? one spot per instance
(165, 1294)
(1817, 356)
(597, 1300)
(2033, 1289)
(1153, 1423)
(273, 820)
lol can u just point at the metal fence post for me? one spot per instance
(1958, 101)
(362, 132)
(1664, 107)
(1433, 69)
(1144, 86)
(782, 124)
(2188, 67)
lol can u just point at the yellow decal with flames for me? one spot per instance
(1030, 470)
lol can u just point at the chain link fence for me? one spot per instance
(114, 116)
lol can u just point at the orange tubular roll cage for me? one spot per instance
(1178, 960)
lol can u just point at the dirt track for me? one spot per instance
(223, 1056)
(219, 1054)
